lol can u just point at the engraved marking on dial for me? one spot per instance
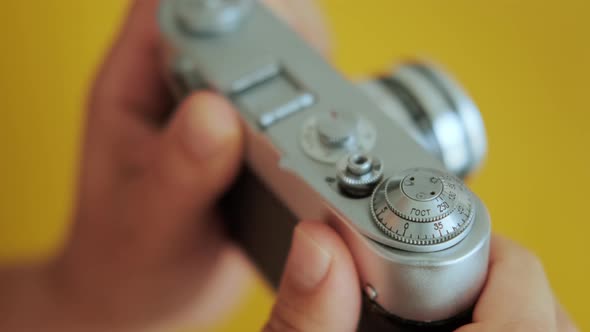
(422, 188)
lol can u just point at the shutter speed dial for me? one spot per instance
(423, 209)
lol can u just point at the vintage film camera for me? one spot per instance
(379, 161)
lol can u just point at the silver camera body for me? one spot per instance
(379, 161)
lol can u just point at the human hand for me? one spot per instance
(167, 184)
(516, 297)
(146, 242)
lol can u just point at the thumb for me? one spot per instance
(200, 149)
(320, 290)
(197, 156)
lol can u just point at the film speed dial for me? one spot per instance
(423, 209)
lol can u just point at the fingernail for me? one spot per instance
(308, 262)
(211, 124)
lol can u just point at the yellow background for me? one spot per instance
(526, 63)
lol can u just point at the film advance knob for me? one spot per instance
(423, 209)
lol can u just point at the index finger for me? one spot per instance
(131, 79)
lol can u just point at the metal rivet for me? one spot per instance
(371, 292)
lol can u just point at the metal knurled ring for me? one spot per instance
(352, 180)
(399, 238)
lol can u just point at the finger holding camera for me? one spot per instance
(517, 295)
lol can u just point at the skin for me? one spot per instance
(147, 250)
